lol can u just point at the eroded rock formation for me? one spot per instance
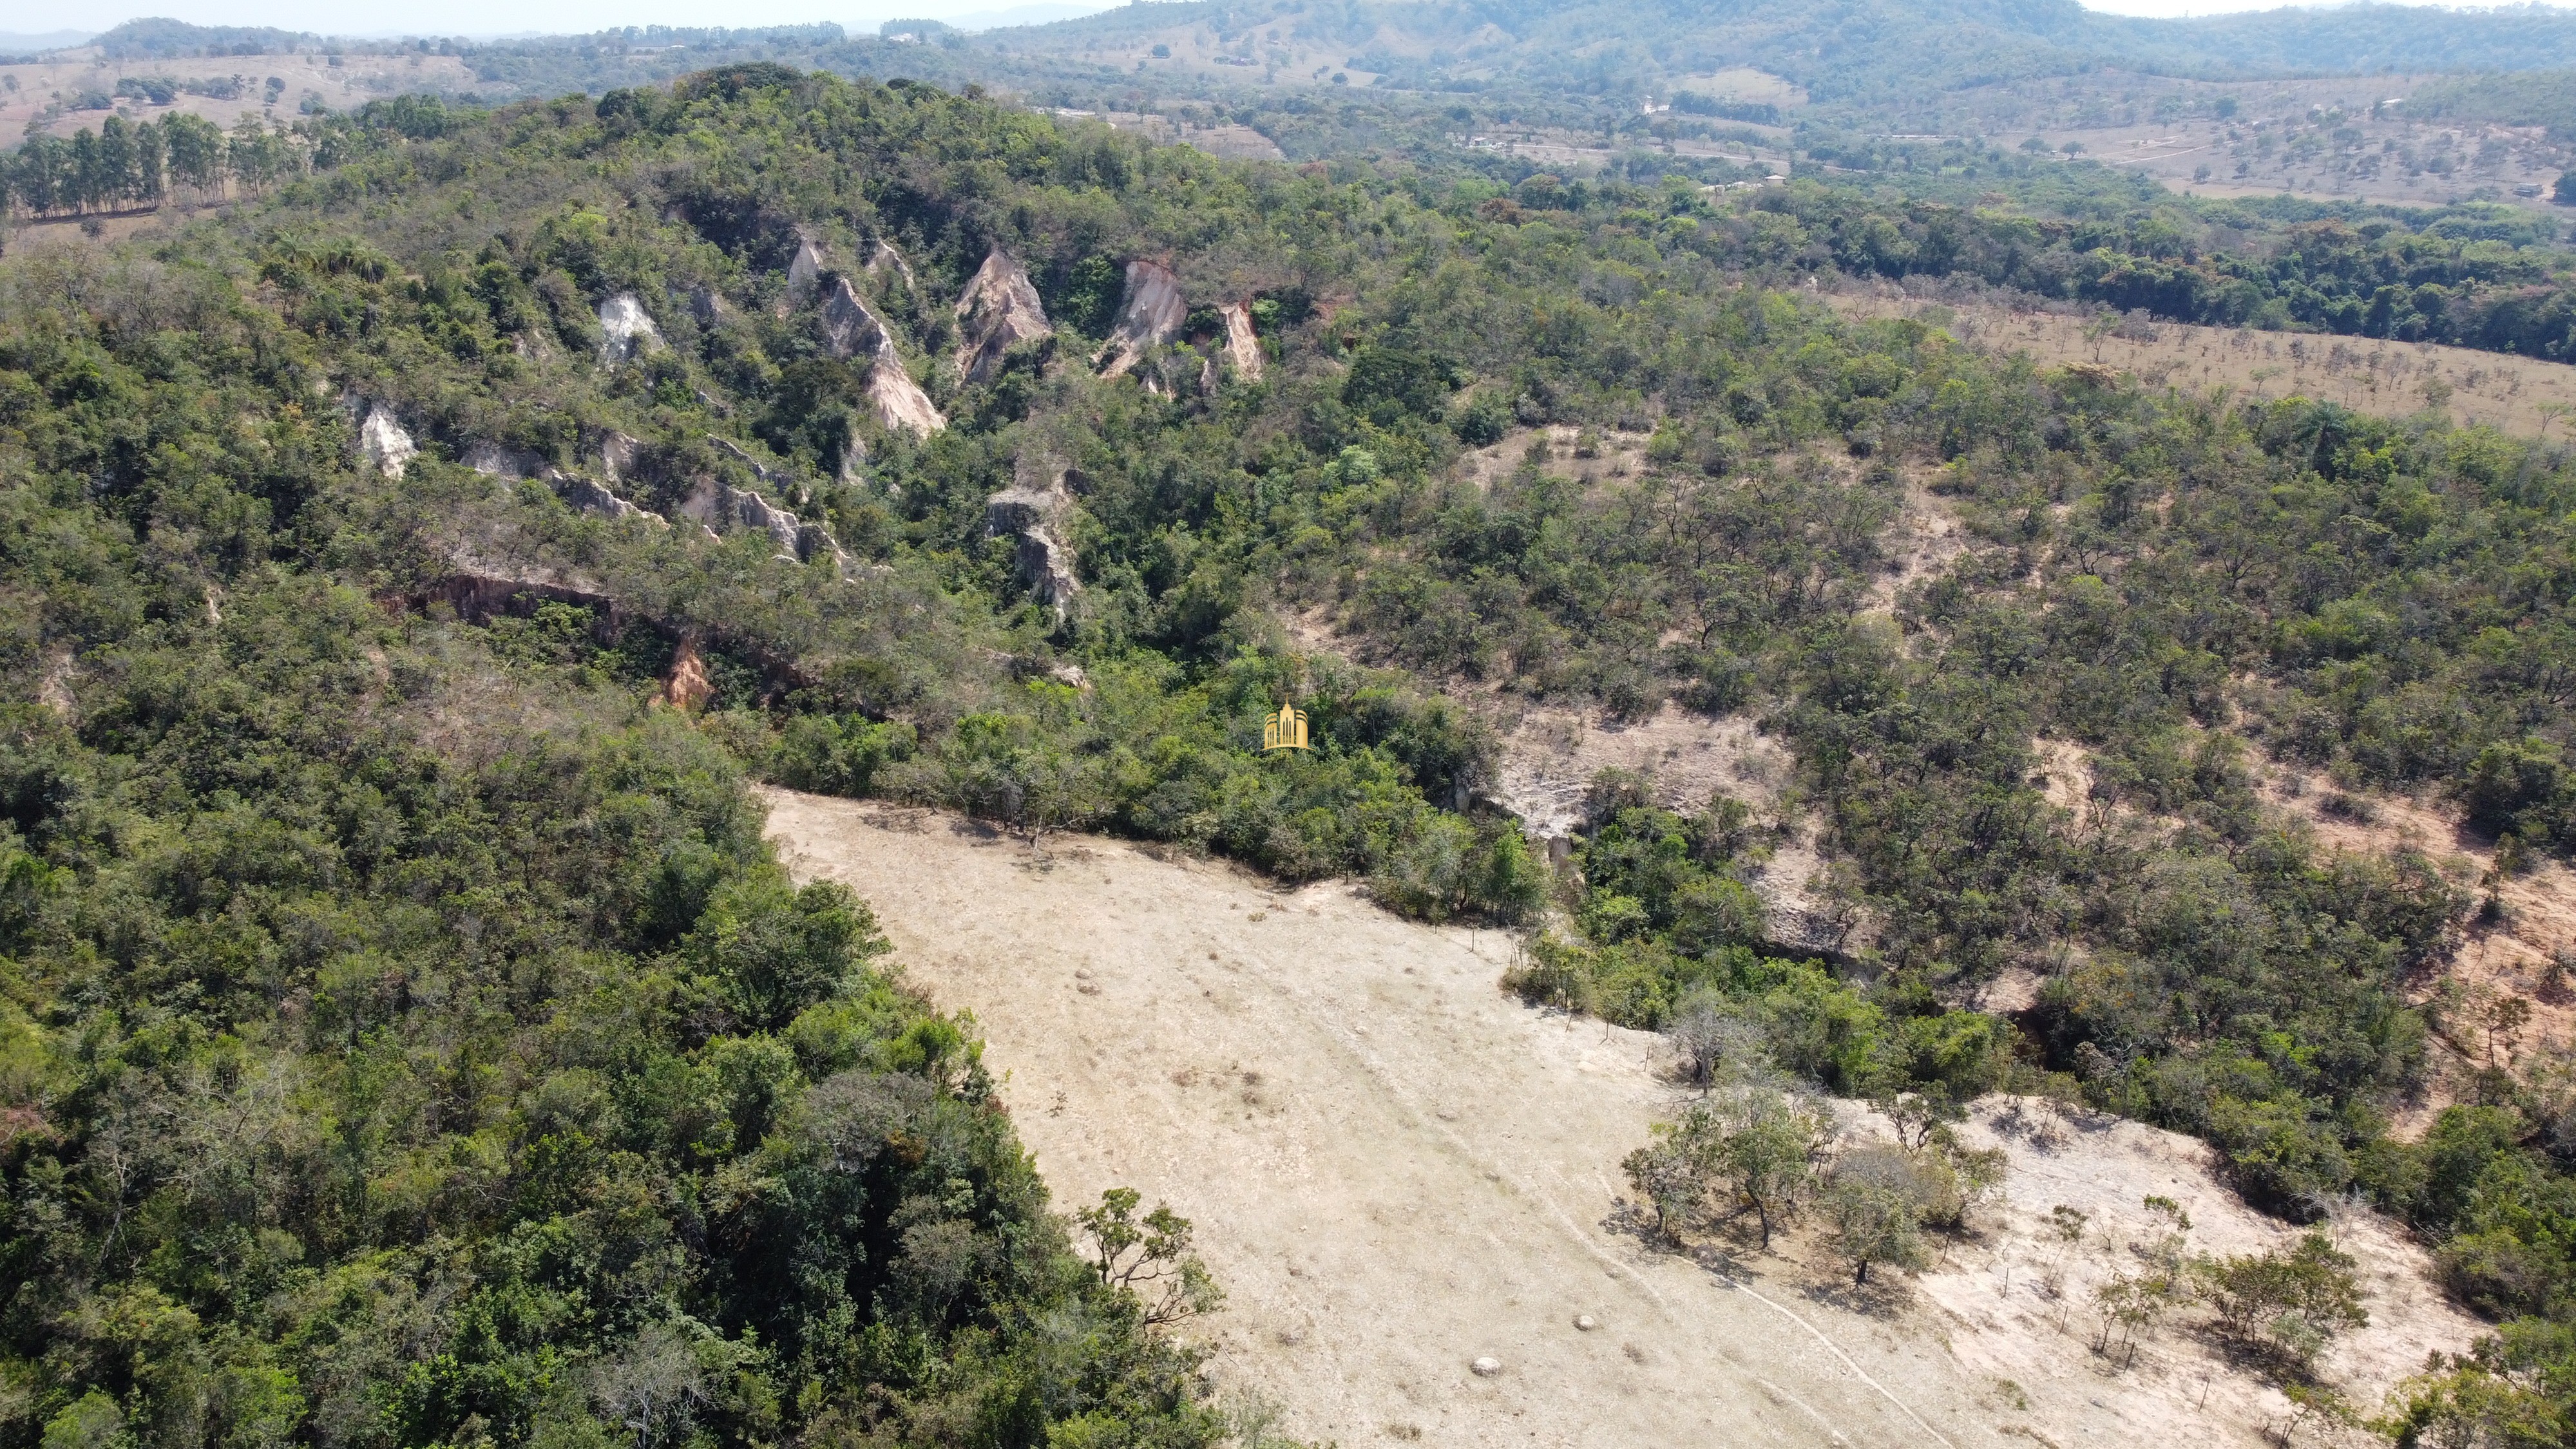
(851, 330)
(687, 686)
(626, 330)
(805, 269)
(884, 260)
(494, 460)
(999, 311)
(1149, 314)
(1242, 348)
(1034, 515)
(382, 441)
(723, 510)
(770, 477)
(586, 496)
(583, 495)
(619, 456)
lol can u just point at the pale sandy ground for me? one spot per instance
(2007, 1322)
(1395, 1168)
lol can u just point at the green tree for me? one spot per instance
(1873, 1207)
(1768, 1150)
(1148, 1260)
(2293, 1301)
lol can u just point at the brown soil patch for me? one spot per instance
(68, 233)
(1550, 756)
(2063, 770)
(1395, 1168)
(1924, 539)
(1620, 455)
(2517, 395)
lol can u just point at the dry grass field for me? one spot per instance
(2516, 395)
(2361, 138)
(47, 94)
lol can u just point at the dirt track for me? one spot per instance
(1394, 1167)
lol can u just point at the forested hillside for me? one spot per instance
(409, 1040)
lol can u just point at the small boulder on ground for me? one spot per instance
(1486, 1367)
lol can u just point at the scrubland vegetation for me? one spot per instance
(409, 1040)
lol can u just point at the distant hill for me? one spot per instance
(165, 39)
(1836, 49)
(20, 43)
(1879, 59)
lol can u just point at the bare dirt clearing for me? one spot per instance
(1395, 1169)
(1550, 755)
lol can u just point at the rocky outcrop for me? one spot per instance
(581, 494)
(1149, 315)
(784, 482)
(850, 330)
(999, 311)
(1242, 348)
(382, 441)
(619, 456)
(805, 269)
(725, 510)
(1034, 516)
(707, 304)
(584, 496)
(900, 402)
(626, 330)
(495, 461)
(854, 453)
(885, 261)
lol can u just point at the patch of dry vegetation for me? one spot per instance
(2517, 395)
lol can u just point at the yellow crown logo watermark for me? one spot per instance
(1285, 730)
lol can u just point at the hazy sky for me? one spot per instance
(474, 17)
(493, 17)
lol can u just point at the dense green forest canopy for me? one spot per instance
(337, 800)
